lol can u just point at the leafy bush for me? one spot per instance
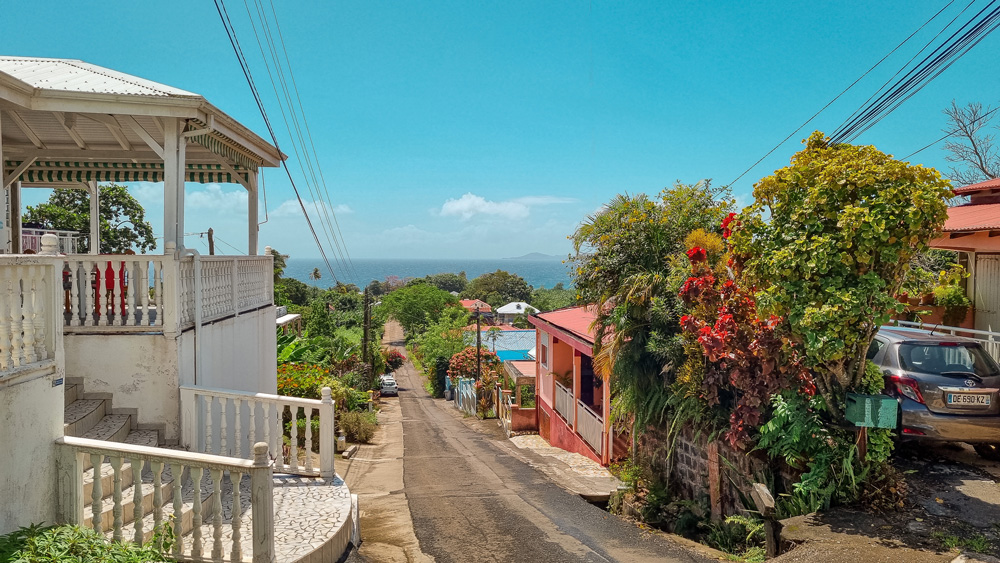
(394, 359)
(58, 544)
(302, 380)
(359, 426)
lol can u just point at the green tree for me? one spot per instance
(315, 274)
(555, 298)
(444, 338)
(416, 306)
(123, 224)
(448, 281)
(827, 243)
(626, 258)
(498, 288)
(280, 262)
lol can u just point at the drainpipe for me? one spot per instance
(197, 307)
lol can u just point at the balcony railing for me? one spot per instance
(31, 240)
(160, 292)
(224, 422)
(564, 403)
(29, 306)
(590, 426)
(989, 340)
(189, 481)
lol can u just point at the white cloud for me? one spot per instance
(213, 197)
(291, 208)
(470, 205)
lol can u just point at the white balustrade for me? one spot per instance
(590, 426)
(184, 478)
(989, 340)
(224, 422)
(115, 291)
(228, 285)
(29, 312)
(564, 403)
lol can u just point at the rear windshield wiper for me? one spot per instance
(968, 374)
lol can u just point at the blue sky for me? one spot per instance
(490, 129)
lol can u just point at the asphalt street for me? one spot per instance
(471, 500)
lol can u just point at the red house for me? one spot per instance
(472, 304)
(573, 400)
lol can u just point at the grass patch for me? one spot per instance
(977, 543)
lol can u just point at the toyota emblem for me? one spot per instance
(970, 383)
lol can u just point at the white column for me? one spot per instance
(252, 214)
(4, 212)
(15, 218)
(171, 139)
(182, 176)
(95, 218)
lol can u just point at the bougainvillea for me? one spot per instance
(747, 358)
(463, 364)
(394, 359)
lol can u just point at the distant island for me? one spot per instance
(534, 256)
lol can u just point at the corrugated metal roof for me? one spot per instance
(71, 75)
(993, 184)
(973, 217)
(575, 320)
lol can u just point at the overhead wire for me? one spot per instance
(933, 65)
(931, 144)
(234, 41)
(844, 91)
(304, 158)
(324, 207)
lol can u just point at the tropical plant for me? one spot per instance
(416, 306)
(463, 365)
(59, 544)
(123, 224)
(827, 242)
(625, 258)
(315, 274)
(497, 288)
(394, 359)
(359, 426)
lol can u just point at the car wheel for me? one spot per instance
(988, 451)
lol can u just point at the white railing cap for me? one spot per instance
(146, 453)
(244, 395)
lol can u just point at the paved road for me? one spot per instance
(471, 500)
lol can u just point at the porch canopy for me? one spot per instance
(69, 124)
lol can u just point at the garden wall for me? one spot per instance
(706, 470)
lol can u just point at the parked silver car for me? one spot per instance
(388, 386)
(947, 387)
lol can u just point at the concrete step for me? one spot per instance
(149, 438)
(111, 428)
(83, 414)
(70, 394)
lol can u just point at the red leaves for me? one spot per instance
(748, 359)
(726, 231)
(697, 254)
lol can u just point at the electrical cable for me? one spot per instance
(234, 41)
(837, 97)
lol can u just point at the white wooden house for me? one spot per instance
(106, 359)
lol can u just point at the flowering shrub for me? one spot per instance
(748, 358)
(463, 364)
(302, 380)
(394, 359)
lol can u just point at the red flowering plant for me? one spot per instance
(748, 359)
(463, 364)
(302, 380)
(394, 359)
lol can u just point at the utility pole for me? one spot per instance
(479, 344)
(211, 241)
(365, 344)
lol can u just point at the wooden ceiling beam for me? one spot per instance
(68, 122)
(23, 126)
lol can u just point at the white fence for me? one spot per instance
(184, 478)
(31, 240)
(990, 341)
(564, 403)
(29, 312)
(590, 426)
(223, 422)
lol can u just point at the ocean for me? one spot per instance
(538, 273)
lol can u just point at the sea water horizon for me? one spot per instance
(538, 273)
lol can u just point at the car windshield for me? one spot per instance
(958, 358)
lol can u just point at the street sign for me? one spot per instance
(872, 411)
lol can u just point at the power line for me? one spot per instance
(844, 91)
(925, 147)
(231, 33)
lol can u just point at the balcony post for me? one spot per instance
(252, 213)
(95, 218)
(328, 439)
(69, 487)
(262, 505)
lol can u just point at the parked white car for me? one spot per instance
(389, 386)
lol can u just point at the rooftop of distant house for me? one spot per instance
(472, 304)
(516, 308)
(576, 321)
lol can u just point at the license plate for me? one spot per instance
(970, 399)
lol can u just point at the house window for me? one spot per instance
(545, 355)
